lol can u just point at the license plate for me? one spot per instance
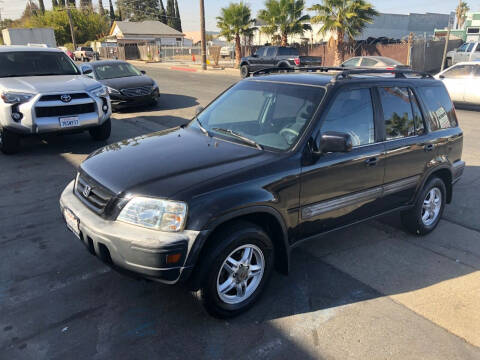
(67, 122)
(72, 221)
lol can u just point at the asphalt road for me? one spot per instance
(368, 292)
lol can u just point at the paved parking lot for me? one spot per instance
(369, 292)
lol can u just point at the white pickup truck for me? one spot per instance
(43, 91)
(469, 51)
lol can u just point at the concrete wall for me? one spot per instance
(20, 36)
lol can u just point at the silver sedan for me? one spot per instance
(463, 82)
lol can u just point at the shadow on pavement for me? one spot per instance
(166, 102)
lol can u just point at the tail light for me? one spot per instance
(297, 61)
(390, 68)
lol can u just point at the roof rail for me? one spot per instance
(344, 74)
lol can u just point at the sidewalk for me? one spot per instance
(187, 67)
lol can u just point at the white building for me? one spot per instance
(146, 31)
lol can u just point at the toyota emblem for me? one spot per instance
(86, 191)
(66, 98)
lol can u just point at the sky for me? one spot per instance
(189, 9)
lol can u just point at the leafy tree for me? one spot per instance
(171, 13)
(71, 3)
(88, 26)
(285, 17)
(42, 6)
(343, 18)
(86, 5)
(178, 21)
(54, 4)
(112, 12)
(235, 20)
(135, 10)
(101, 9)
(162, 13)
(461, 13)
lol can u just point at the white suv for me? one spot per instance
(42, 91)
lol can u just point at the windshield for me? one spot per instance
(87, 49)
(115, 70)
(36, 63)
(271, 114)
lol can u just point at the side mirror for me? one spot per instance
(441, 76)
(199, 109)
(332, 141)
(87, 71)
(143, 72)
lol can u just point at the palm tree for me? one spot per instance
(285, 17)
(343, 18)
(235, 20)
(461, 12)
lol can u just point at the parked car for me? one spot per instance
(125, 84)
(469, 51)
(42, 91)
(227, 52)
(66, 51)
(272, 162)
(276, 57)
(374, 62)
(84, 53)
(463, 82)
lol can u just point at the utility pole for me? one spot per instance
(71, 27)
(202, 32)
(444, 58)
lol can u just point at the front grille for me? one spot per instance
(58, 97)
(47, 111)
(98, 197)
(139, 91)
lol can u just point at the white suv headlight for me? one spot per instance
(16, 98)
(100, 91)
(157, 214)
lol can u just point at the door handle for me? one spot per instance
(429, 147)
(371, 162)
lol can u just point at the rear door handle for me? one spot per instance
(371, 162)
(429, 147)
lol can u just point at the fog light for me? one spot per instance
(173, 258)
(16, 116)
(105, 108)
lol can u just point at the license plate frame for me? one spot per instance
(73, 222)
(69, 122)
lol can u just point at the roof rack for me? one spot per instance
(344, 74)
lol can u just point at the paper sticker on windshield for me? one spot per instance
(442, 117)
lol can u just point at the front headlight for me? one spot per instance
(16, 98)
(157, 214)
(113, 91)
(100, 91)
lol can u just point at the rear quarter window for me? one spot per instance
(439, 106)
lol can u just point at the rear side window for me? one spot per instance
(352, 113)
(287, 51)
(397, 112)
(440, 107)
(417, 115)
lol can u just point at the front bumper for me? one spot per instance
(119, 99)
(132, 248)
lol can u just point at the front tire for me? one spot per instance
(427, 212)
(244, 71)
(102, 132)
(9, 142)
(236, 270)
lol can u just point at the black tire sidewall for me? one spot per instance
(423, 229)
(10, 142)
(254, 236)
(244, 71)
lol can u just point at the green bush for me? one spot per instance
(88, 26)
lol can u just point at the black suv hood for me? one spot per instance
(128, 82)
(165, 163)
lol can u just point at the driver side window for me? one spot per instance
(352, 113)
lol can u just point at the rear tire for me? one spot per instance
(244, 71)
(229, 266)
(102, 132)
(428, 209)
(9, 142)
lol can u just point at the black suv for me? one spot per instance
(273, 161)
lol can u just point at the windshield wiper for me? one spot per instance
(205, 131)
(239, 136)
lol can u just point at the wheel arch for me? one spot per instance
(445, 174)
(265, 217)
